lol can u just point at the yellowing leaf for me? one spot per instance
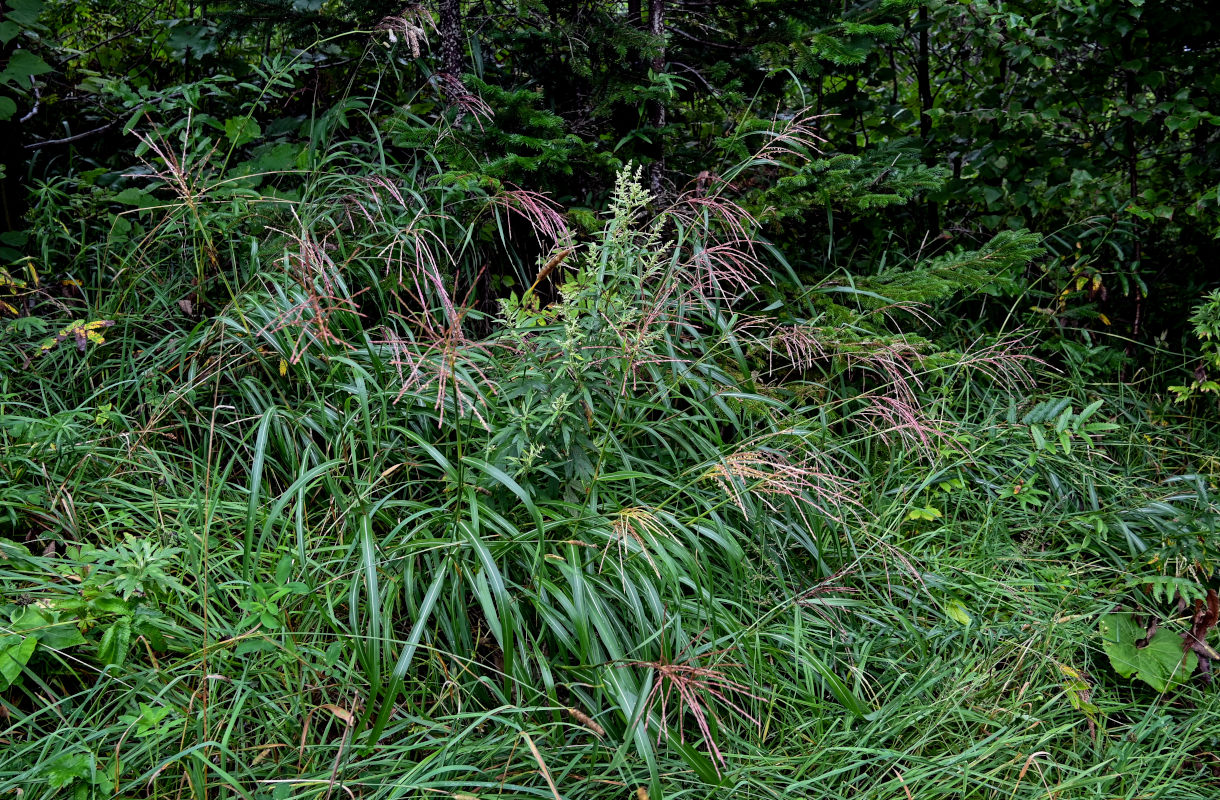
(957, 612)
(928, 513)
(82, 332)
(283, 367)
(1071, 672)
(1078, 692)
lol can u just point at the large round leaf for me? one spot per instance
(1158, 660)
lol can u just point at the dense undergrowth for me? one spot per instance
(292, 507)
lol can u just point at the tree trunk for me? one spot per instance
(923, 70)
(656, 27)
(1133, 187)
(451, 37)
(924, 77)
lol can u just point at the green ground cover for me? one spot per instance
(329, 468)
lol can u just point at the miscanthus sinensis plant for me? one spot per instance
(588, 523)
(574, 506)
(594, 474)
(655, 523)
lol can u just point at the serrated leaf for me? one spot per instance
(65, 768)
(116, 642)
(1160, 662)
(1088, 411)
(198, 39)
(148, 719)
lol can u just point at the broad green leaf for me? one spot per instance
(147, 720)
(281, 157)
(283, 570)
(15, 652)
(198, 39)
(142, 625)
(60, 635)
(1089, 411)
(1160, 662)
(23, 65)
(46, 627)
(957, 612)
(115, 642)
(24, 12)
(9, 548)
(110, 605)
(241, 130)
(65, 768)
(132, 196)
(928, 513)
(7, 108)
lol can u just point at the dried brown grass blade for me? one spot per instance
(546, 773)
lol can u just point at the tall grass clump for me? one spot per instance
(298, 502)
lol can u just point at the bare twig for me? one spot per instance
(67, 139)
